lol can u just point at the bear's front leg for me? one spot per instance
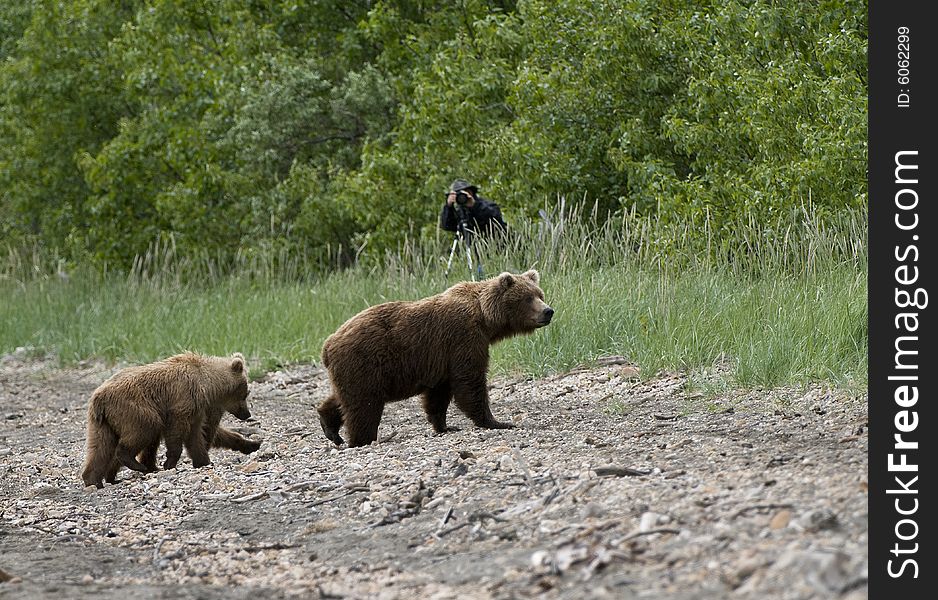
(197, 447)
(173, 438)
(472, 397)
(173, 452)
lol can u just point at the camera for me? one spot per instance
(462, 197)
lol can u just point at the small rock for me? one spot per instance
(541, 558)
(505, 463)
(593, 510)
(649, 521)
(780, 520)
(87, 579)
(819, 520)
(567, 557)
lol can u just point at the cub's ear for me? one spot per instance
(533, 276)
(506, 280)
(237, 362)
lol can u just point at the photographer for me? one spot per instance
(477, 215)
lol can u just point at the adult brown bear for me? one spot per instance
(437, 347)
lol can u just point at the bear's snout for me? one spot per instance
(546, 315)
(243, 414)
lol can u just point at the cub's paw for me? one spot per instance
(250, 446)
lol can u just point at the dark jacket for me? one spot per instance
(484, 217)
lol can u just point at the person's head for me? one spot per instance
(465, 192)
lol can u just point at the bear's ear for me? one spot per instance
(533, 276)
(237, 362)
(506, 280)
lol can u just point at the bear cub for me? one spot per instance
(180, 399)
(437, 347)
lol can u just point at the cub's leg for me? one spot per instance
(225, 438)
(197, 447)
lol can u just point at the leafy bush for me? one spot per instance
(333, 128)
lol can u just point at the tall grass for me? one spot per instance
(781, 304)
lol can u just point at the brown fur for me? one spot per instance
(180, 399)
(437, 347)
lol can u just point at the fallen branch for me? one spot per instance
(618, 471)
(338, 496)
(301, 486)
(276, 546)
(250, 497)
(639, 534)
(743, 511)
(156, 551)
(449, 513)
(524, 466)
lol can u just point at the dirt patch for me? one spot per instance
(609, 487)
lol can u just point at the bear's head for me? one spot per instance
(236, 400)
(514, 304)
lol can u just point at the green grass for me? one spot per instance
(787, 306)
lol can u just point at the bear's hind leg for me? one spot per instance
(148, 456)
(330, 418)
(435, 403)
(134, 442)
(128, 457)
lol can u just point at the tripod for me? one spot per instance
(464, 237)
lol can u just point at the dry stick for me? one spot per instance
(523, 465)
(277, 546)
(440, 534)
(637, 534)
(156, 551)
(449, 513)
(250, 497)
(618, 472)
(743, 511)
(301, 486)
(71, 537)
(336, 497)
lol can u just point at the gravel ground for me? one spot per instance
(610, 487)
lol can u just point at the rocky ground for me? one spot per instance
(610, 487)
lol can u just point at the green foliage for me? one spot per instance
(332, 128)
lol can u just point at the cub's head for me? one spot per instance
(236, 401)
(514, 304)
